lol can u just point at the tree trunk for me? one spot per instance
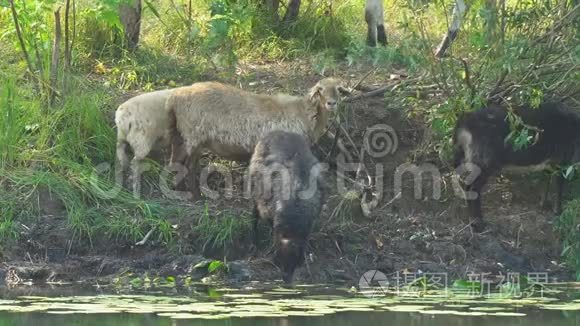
(130, 15)
(55, 57)
(459, 11)
(292, 11)
(67, 49)
(272, 7)
(491, 22)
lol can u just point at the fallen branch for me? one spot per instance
(363, 78)
(377, 92)
(146, 238)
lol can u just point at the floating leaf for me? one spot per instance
(488, 308)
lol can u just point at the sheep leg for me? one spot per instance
(182, 167)
(140, 152)
(371, 27)
(559, 190)
(256, 215)
(371, 35)
(193, 175)
(475, 189)
(381, 34)
(546, 193)
(137, 169)
(123, 161)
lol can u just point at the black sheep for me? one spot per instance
(482, 148)
(287, 191)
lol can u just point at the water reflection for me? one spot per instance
(533, 318)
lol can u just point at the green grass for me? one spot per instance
(221, 230)
(58, 150)
(568, 225)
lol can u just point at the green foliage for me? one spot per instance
(217, 266)
(568, 225)
(508, 57)
(8, 131)
(466, 285)
(59, 150)
(8, 230)
(221, 231)
(101, 27)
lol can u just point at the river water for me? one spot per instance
(251, 306)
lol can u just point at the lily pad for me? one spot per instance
(456, 306)
(571, 306)
(488, 308)
(438, 312)
(508, 314)
(407, 308)
(243, 295)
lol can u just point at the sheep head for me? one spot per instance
(326, 94)
(289, 256)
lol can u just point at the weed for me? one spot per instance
(568, 225)
(222, 230)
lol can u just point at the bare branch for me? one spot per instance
(55, 55)
(468, 82)
(363, 78)
(67, 51)
(377, 92)
(20, 38)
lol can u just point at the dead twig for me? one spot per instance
(377, 92)
(146, 238)
(468, 82)
(363, 78)
(495, 93)
(557, 26)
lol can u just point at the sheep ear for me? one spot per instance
(343, 90)
(315, 92)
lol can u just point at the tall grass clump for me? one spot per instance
(221, 230)
(8, 124)
(63, 151)
(568, 225)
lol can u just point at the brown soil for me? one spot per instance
(405, 234)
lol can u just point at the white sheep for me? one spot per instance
(229, 121)
(376, 23)
(142, 125)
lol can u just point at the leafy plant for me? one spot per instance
(217, 266)
(222, 230)
(568, 225)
